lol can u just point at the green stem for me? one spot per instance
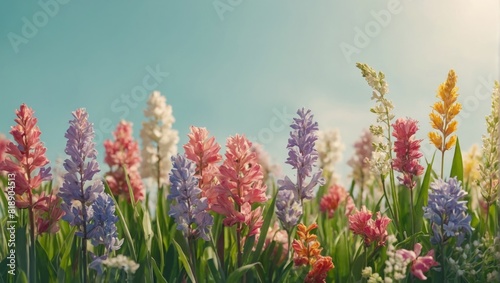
(32, 260)
(192, 257)
(442, 164)
(412, 220)
(388, 202)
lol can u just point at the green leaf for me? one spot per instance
(264, 229)
(238, 273)
(159, 277)
(45, 269)
(184, 260)
(457, 167)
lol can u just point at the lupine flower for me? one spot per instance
(307, 251)
(443, 113)
(490, 167)
(407, 151)
(86, 205)
(447, 212)
(122, 155)
(240, 181)
(159, 140)
(204, 152)
(268, 168)
(380, 160)
(331, 200)
(302, 156)
(372, 231)
(189, 208)
(419, 264)
(360, 161)
(330, 147)
(29, 161)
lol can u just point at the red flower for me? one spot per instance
(319, 270)
(407, 151)
(372, 231)
(330, 202)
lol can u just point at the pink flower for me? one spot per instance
(240, 181)
(48, 212)
(204, 152)
(3, 147)
(419, 264)
(123, 154)
(373, 231)
(407, 151)
(330, 202)
(29, 154)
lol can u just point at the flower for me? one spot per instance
(330, 147)
(395, 265)
(189, 207)
(360, 161)
(419, 264)
(447, 212)
(122, 156)
(380, 160)
(3, 147)
(47, 213)
(159, 140)
(122, 262)
(407, 151)
(288, 209)
(204, 152)
(29, 161)
(268, 168)
(302, 156)
(330, 202)
(307, 251)
(373, 231)
(490, 167)
(443, 113)
(85, 203)
(240, 181)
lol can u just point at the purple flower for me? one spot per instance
(447, 212)
(86, 205)
(288, 209)
(302, 156)
(190, 207)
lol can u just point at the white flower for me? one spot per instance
(329, 147)
(122, 262)
(159, 140)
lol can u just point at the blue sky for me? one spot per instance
(231, 65)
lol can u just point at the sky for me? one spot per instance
(238, 66)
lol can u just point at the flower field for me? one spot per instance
(212, 211)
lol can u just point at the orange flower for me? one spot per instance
(319, 270)
(307, 248)
(443, 113)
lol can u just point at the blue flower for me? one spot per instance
(447, 211)
(288, 209)
(189, 208)
(102, 226)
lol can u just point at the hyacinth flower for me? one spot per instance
(360, 161)
(331, 201)
(241, 186)
(269, 169)
(490, 166)
(3, 147)
(373, 231)
(447, 213)
(159, 140)
(418, 264)
(329, 146)
(380, 162)
(442, 116)
(307, 251)
(204, 152)
(302, 156)
(28, 164)
(123, 159)
(85, 203)
(189, 208)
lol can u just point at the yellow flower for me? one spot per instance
(443, 113)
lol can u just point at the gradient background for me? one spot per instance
(228, 71)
